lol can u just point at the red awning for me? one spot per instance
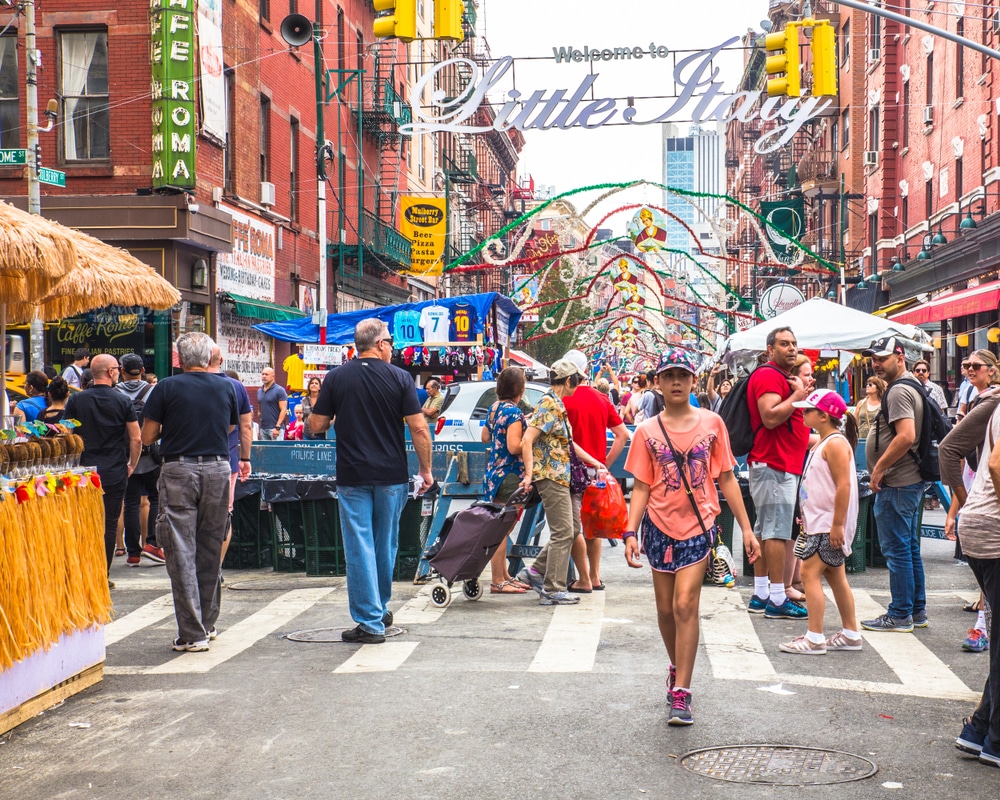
(954, 304)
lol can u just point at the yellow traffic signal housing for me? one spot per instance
(400, 24)
(824, 60)
(448, 19)
(786, 44)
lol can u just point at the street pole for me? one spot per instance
(842, 209)
(320, 178)
(31, 74)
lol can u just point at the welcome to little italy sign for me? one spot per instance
(700, 93)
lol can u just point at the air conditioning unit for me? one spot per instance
(266, 194)
(871, 158)
(874, 54)
(928, 115)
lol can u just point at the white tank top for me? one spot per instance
(817, 493)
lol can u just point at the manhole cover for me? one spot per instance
(326, 635)
(778, 765)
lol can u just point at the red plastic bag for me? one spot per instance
(604, 513)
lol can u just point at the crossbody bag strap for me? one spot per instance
(687, 486)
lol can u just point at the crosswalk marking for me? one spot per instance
(571, 640)
(384, 657)
(419, 610)
(149, 614)
(245, 633)
(733, 647)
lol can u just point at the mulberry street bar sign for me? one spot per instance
(699, 95)
(172, 56)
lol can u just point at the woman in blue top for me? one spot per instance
(36, 383)
(504, 467)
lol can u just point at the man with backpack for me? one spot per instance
(892, 452)
(776, 459)
(146, 473)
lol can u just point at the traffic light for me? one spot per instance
(824, 60)
(786, 44)
(448, 19)
(400, 24)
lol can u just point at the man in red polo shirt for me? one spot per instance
(591, 416)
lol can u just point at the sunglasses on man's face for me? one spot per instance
(920, 370)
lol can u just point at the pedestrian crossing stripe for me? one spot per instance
(732, 646)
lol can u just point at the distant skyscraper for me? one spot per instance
(695, 163)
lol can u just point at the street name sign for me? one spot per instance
(13, 157)
(53, 177)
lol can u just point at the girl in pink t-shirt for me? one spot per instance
(677, 457)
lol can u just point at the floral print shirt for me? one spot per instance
(550, 451)
(501, 462)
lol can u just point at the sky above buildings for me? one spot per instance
(568, 159)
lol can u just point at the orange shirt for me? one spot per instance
(705, 453)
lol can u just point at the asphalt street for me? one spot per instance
(496, 698)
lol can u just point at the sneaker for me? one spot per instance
(132, 561)
(387, 619)
(558, 599)
(841, 641)
(920, 619)
(213, 635)
(154, 553)
(190, 647)
(680, 708)
(970, 740)
(359, 635)
(887, 623)
(756, 605)
(802, 646)
(989, 755)
(976, 641)
(532, 579)
(787, 610)
(671, 679)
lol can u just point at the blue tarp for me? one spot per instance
(340, 327)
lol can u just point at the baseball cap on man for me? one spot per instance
(579, 358)
(886, 346)
(825, 400)
(563, 368)
(131, 363)
(676, 358)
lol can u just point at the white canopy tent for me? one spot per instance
(819, 324)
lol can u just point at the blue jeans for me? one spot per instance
(369, 519)
(896, 512)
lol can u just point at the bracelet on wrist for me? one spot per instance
(627, 534)
(244, 461)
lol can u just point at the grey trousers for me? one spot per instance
(194, 506)
(563, 516)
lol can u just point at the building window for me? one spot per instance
(959, 179)
(86, 114)
(906, 115)
(874, 130)
(341, 41)
(10, 129)
(361, 52)
(293, 172)
(835, 136)
(905, 213)
(928, 200)
(845, 44)
(845, 128)
(265, 9)
(319, 12)
(265, 138)
(960, 61)
(930, 80)
(875, 35)
(872, 238)
(229, 165)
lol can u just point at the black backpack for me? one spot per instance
(735, 412)
(934, 427)
(658, 403)
(139, 404)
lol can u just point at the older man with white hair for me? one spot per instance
(192, 415)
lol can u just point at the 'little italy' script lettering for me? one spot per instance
(695, 75)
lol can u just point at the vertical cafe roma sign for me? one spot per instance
(171, 24)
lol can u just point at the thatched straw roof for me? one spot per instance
(33, 276)
(35, 254)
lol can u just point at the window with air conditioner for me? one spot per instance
(871, 158)
(928, 115)
(874, 54)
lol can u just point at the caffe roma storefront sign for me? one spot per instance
(695, 76)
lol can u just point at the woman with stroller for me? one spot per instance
(503, 431)
(678, 458)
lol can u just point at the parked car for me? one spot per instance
(466, 404)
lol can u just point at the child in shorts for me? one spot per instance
(676, 458)
(828, 498)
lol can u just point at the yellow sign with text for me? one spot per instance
(424, 221)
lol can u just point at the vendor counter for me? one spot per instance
(54, 596)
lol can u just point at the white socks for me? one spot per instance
(778, 596)
(815, 638)
(981, 622)
(760, 587)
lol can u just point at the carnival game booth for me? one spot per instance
(458, 338)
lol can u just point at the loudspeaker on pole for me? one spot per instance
(296, 29)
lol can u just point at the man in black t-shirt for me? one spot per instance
(110, 432)
(368, 399)
(192, 415)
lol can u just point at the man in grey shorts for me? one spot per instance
(776, 460)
